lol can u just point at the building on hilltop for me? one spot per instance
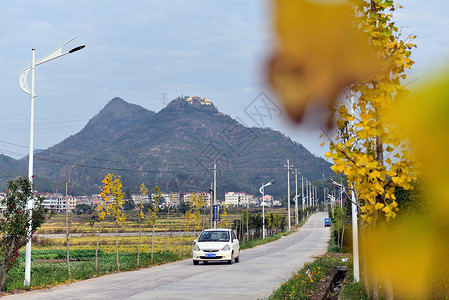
(196, 99)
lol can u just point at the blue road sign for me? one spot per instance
(216, 212)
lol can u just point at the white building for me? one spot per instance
(188, 197)
(237, 199)
(173, 198)
(57, 202)
(139, 198)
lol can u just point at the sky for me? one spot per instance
(150, 52)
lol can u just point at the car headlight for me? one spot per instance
(196, 248)
(226, 248)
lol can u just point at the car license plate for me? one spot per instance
(210, 254)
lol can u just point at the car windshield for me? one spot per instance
(214, 236)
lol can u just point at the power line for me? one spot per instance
(108, 168)
(85, 157)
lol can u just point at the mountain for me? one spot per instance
(176, 149)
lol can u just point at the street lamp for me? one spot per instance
(23, 78)
(261, 190)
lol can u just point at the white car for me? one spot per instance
(219, 244)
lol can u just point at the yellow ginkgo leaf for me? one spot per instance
(318, 52)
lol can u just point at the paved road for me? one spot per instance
(259, 272)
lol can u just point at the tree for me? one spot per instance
(188, 217)
(15, 221)
(370, 152)
(143, 192)
(359, 150)
(112, 205)
(338, 220)
(224, 223)
(172, 197)
(82, 209)
(67, 223)
(245, 221)
(196, 204)
(152, 214)
(129, 205)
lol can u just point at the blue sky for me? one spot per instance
(138, 50)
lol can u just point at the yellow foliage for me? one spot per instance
(423, 117)
(223, 223)
(318, 52)
(403, 253)
(112, 193)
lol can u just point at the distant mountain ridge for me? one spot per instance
(175, 148)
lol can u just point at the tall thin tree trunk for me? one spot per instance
(338, 233)
(364, 261)
(152, 244)
(5, 262)
(96, 249)
(116, 246)
(3, 269)
(247, 226)
(67, 230)
(166, 228)
(375, 287)
(342, 238)
(138, 245)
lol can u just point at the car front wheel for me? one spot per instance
(237, 259)
(195, 262)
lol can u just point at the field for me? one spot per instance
(84, 229)
(49, 266)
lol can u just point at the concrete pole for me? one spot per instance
(263, 213)
(215, 189)
(296, 196)
(355, 233)
(302, 195)
(288, 193)
(30, 202)
(211, 206)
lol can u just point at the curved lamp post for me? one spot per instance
(23, 78)
(261, 190)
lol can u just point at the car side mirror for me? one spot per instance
(195, 241)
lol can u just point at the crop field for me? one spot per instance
(83, 235)
(173, 240)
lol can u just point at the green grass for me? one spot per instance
(353, 291)
(50, 273)
(304, 283)
(48, 267)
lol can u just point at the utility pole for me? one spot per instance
(308, 193)
(302, 195)
(215, 189)
(288, 192)
(296, 197)
(324, 193)
(211, 191)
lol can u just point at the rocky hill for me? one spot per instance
(175, 148)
